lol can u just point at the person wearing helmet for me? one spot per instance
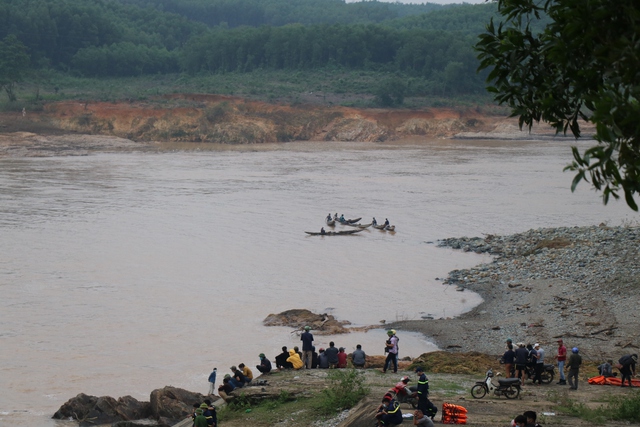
(575, 360)
(400, 389)
(307, 347)
(391, 347)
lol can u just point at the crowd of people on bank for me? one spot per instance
(528, 362)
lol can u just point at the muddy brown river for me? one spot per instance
(122, 273)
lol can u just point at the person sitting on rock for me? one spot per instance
(246, 372)
(237, 378)
(265, 364)
(342, 358)
(314, 358)
(281, 359)
(295, 360)
(225, 388)
(332, 355)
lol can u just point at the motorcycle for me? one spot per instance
(546, 377)
(410, 398)
(508, 387)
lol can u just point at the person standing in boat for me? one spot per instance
(374, 222)
(386, 222)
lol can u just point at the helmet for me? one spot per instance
(574, 349)
(405, 379)
(306, 328)
(389, 332)
(261, 356)
(393, 331)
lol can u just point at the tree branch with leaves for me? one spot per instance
(14, 64)
(584, 64)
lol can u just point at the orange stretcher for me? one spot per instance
(602, 380)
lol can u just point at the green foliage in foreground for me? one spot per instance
(346, 388)
(619, 408)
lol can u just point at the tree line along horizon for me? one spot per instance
(124, 38)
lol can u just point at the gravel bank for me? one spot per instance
(578, 283)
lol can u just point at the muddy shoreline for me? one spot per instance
(575, 283)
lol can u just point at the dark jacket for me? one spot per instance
(332, 355)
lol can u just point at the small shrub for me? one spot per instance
(346, 388)
(625, 408)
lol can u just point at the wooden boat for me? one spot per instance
(360, 225)
(333, 233)
(349, 221)
(380, 226)
(330, 222)
(390, 228)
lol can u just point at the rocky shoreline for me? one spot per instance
(578, 283)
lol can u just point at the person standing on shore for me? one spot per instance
(307, 347)
(539, 366)
(575, 360)
(521, 362)
(212, 381)
(423, 390)
(561, 357)
(508, 358)
(391, 347)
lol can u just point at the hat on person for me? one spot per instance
(536, 345)
(204, 406)
(306, 328)
(389, 332)
(405, 379)
(574, 349)
(509, 340)
(560, 340)
(520, 344)
(321, 350)
(387, 396)
(199, 411)
(227, 376)
(419, 369)
(393, 331)
(261, 356)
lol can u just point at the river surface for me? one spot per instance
(123, 273)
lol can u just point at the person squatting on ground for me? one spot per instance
(246, 372)
(332, 355)
(627, 366)
(358, 357)
(573, 365)
(225, 388)
(606, 369)
(212, 381)
(294, 359)
(391, 347)
(561, 357)
(389, 413)
(420, 419)
(238, 380)
(265, 364)
(307, 347)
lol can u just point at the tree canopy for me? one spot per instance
(14, 63)
(584, 64)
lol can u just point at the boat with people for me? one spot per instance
(343, 221)
(333, 233)
(359, 225)
(330, 221)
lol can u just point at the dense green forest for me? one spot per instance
(124, 38)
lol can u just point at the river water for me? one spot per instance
(122, 273)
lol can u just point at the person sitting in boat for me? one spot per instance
(373, 221)
(386, 222)
(342, 218)
(335, 217)
(322, 231)
(329, 217)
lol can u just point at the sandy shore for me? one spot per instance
(579, 284)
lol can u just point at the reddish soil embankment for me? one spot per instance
(223, 119)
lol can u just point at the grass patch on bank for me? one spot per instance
(615, 408)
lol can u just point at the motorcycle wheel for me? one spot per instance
(414, 403)
(478, 391)
(512, 392)
(547, 377)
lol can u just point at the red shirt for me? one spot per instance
(342, 359)
(562, 353)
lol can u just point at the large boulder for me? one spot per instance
(92, 410)
(172, 404)
(321, 324)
